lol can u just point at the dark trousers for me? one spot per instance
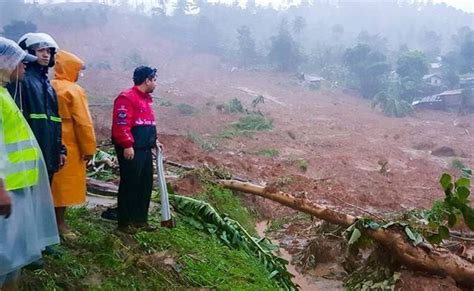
(136, 183)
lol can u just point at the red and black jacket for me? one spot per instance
(134, 120)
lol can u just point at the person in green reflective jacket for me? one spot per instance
(27, 221)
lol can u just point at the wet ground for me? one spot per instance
(313, 280)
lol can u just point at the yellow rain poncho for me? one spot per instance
(69, 184)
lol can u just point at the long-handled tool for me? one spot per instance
(166, 219)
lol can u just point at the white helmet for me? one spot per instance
(37, 40)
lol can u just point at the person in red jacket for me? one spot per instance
(134, 136)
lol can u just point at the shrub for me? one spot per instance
(235, 106)
(203, 143)
(268, 153)
(186, 109)
(392, 106)
(253, 122)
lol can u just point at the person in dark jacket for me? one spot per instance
(134, 136)
(38, 102)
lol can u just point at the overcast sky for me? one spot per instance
(466, 5)
(462, 4)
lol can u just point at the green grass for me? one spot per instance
(234, 106)
(99, 259)
(247, 125)
(231, 132)
(254, 122)
(268, 153)
(204, 217)
(186, 109)
(301, 164)
(206, 262)
(202, 142)
(227, 203)
(102, 259)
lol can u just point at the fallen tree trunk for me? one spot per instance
(437, 261)
(109, 189)
(101, 188)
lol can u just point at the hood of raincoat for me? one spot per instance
(67, 66)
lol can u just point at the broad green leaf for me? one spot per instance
(463, 182)
(236, 238)
(204, 216)
(433, 224)
(466, 172)
(443, 232)
(224, 238)
(445, 181)
(389, 224)
(449, 190)
(170, 189)
(211, 228)
(413, 235)
(195, 223)
(356, 234)
(463, 193)
(351, 228)
(468, 214)
(273, 274)
(348, 232)
(371, 225)
(282, 261)
(434, 239)
(448, 201)
(452, 219)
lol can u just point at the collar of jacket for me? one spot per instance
(140, 93)
(37, 69)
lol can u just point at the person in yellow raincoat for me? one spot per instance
(69, 184)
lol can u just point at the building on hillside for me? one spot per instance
(429, 102)
(312, 81)
(466, 81)
(450, 100)
(433, 79)
(435, 67)
(309, 78)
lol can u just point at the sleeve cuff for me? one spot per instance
(127, 144)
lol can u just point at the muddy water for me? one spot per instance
(306, 282)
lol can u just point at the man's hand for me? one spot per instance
(87, 157)
(129, 153)
(62, 160)
(5, 201)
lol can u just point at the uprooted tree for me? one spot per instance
(406, 245)
(403, 241)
